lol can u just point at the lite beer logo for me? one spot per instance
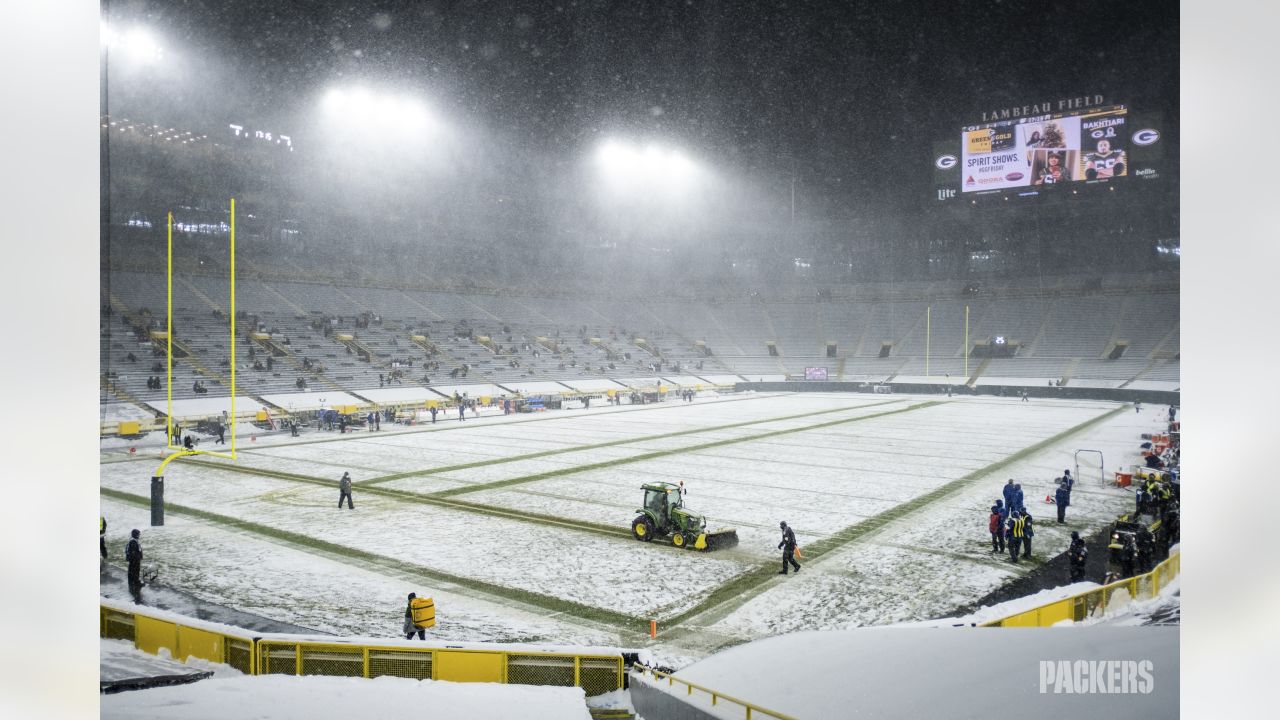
(946, 193)
(1146, 136)
(1096, 677)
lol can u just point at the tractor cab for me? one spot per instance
(661, 499)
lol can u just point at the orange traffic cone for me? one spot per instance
(1049, 499)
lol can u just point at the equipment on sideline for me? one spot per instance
(424, 612)
(664, 514)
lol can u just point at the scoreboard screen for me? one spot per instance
(1039, 153)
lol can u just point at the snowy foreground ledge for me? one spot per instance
(929, 672)
(281, 697)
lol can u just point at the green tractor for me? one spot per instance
(664, 514)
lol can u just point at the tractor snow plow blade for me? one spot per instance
(718, 540)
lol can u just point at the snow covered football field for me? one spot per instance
(519, 526)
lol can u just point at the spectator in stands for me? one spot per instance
(1077, 555)
(271, 363)
(1062, 497)
(131, 357)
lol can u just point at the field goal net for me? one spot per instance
(1090, 468)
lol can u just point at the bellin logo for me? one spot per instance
(945, 162)
(1096, 677)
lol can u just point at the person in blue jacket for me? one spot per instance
(1062, 497)
(1008, 493)
(1018, 503)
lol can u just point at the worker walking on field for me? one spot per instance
(344, 491)
(410, 627)
(788, 547)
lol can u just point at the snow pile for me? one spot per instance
(120, 660)
(330, 698)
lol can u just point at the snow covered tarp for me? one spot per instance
(207, 406)
(914, 672)
(313, 400)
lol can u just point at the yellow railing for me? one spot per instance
(1094, 602)
(751, 709)
(182, 639)
(280, 654)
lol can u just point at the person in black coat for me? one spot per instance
(1146, 549)
(102, 537)
(788, 547)
(1127, 555)
(1028, 531)
(1077, 555)
(133, 554)
(1062, 497)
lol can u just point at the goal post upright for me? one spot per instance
(170, 424)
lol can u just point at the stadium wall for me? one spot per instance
(1154, 397)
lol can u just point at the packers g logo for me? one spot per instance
(1146, 136)
(945, 162)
